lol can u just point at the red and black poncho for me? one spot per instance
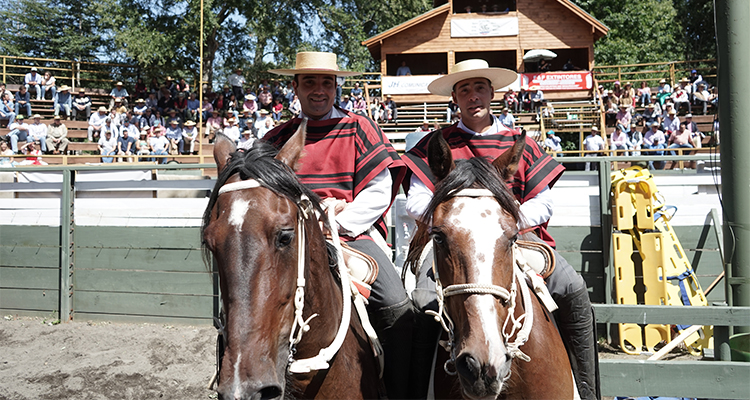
(342, 155)
(536, 170)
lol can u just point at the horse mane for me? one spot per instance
(259, 163)
(475, 172)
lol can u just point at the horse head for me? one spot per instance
(473, 221)
(258, 217)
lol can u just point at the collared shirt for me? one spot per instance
(57, 132)
(38, 131)
(236, 80)
(121, 92)
(158, 143)
(97, 119)
(650, 137)
(36, 78)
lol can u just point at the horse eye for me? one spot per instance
(284, 237)
(438, 238)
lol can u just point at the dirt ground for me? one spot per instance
(95, 360)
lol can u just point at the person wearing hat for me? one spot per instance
(63, 101)
(139, 108)
(265, 98)
(57, 136)
(251, 105)
(193, 104)
(232, 131)
(627, 96)
(507, 119)
(141, 145)
(654, 139)
(391, 108)
(174, 134)
(478, 133)
(33, 82)
(537, 99)
(96, 121)
(237, 81)
(214, 125)
(663, 91)
(118, 91)
(650, 114)
(701, 97)
(593, 142)
(624, 117)
(107, 145)
(189, 135)
(359, 106)
(19, 131)
(510, 100)
(126, 144)
(81, 105)
(680, 97)
(172, 115)
(38, 132)
(635, 140)
(350, 161)
(262, 124)
(346, 104)
(246, 140)
(159, 143)
(670, 123)
(552, 143)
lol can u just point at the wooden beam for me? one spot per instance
(636, 378)
(642, 314)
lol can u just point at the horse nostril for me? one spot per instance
(468, 366)
(272, 392)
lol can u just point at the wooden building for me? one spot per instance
(498, 31)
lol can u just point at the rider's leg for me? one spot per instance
(392, 316)
(426, 331)
(575, 318)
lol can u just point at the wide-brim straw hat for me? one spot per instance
(64, 88)
(189, 123)
(474, 68)
(36, 116)
(315, 62)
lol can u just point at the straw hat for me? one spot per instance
(102, 109)
(36, 116)
(64, 88)
(594, 128)
(249, 97)
(314, 62)
(474, 68)
(57, 117)
(81, 90)
(263, 111)
(655, 124)
(672, 112)
(118, 84)
(174, 122)
(190, 123)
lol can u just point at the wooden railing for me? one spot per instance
(672, 71)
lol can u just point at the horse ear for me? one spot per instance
(223, 149)
(507, 163)
(439, 156)
(292, 150)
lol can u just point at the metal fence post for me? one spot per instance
(67, 249)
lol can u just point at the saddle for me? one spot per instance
(539, 256)
(363, 269)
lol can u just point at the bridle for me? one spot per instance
(300, 325)
(520, 327)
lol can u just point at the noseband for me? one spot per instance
(301, 325)
(521, 326)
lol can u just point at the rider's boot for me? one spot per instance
(394, 326)
(577, 326)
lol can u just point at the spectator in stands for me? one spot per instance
(680, 97)
(265, 99)
(38, 132)
(251, 105)
(671, 123)
(126, 145)
(593, 142)
(414, 137)
(616, 90)
(208, 108)
(129, 126)
(165, 100)
(172, 115)
(33, 82)
(403, 70)
(48, 85)
(63, 101)
(31, 149)
(654, 139)
(392, 108)
(359, 106)
(619, 140)
(23, 100)
(644, 94)
(295, 107)
(145, 120)
(7, 108)
(232, 105)
(376, 110)
(141, 145)
(701, 97)
(232, 131)
(524, 98)
(277, 109)
(174, 134)
(214, 125)
(627, 96)
(193, 104)
(182, 86)
(3, 89)
(110, 126)
(356, 91)
(425, 127)
(244, 121)
(171, 86)
(262, 125)
(152, 101)
(118, 91)
(154, 85)
(507, 119)
(6, 151)
(680, 140)
(695, 134)
(180, 105)
(450, 111)
(663, 91)
(623, 118)
(511, 100)
(246, 140)
(650, 115)
(19, 131)
(139, 108)
(537, 99)
(635, 140)
(81, 104)
(544, 66)
(96, 121)
(140, 89)
(236, 80)
(115, 115)
(157, 129)
(189, 136)
(657, 106)
(346, 104)
(107, 146)
(159, 145)
(552, 143)
(569, 66)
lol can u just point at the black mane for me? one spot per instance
(475, 172)
(259, 163)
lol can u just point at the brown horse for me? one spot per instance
(288, 330)
(501, 341)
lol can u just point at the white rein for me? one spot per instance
(520, 327)
(301, 325)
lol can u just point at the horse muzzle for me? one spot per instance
(251, 391)
(482, 380)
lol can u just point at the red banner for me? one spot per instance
(573, 80)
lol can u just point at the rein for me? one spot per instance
(520, 327)
(300, 325)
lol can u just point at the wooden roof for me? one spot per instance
(373, 43)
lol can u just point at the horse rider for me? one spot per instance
(348, 158)
(472, 85)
